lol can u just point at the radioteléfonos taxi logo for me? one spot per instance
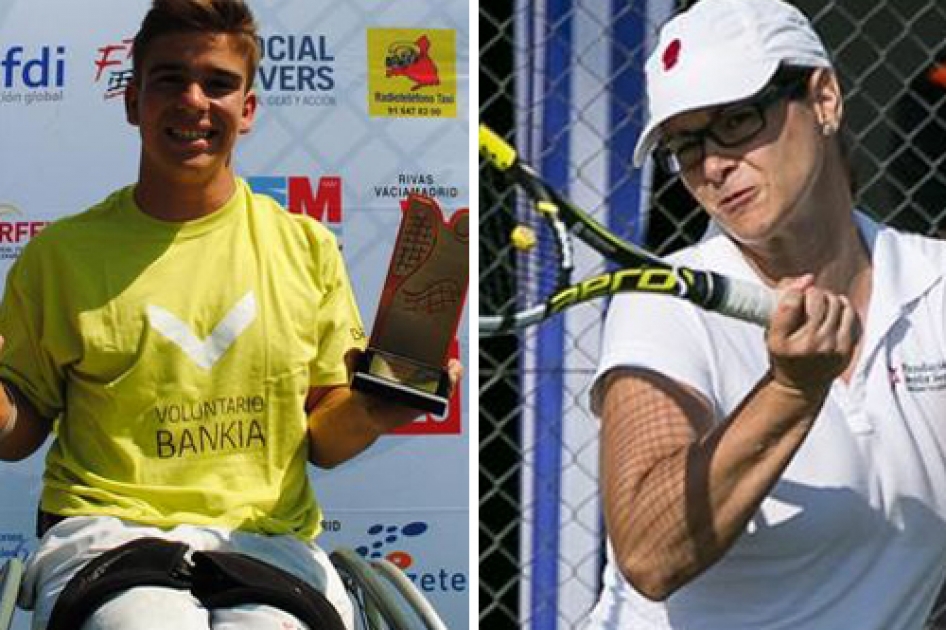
(412, 73)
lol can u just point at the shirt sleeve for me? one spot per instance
(657, 333)
(28, 326)
(339, 324)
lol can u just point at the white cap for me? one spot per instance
(723, 51)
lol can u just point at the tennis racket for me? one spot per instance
(528, 278)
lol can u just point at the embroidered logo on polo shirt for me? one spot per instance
(205, 352)
(926, 376)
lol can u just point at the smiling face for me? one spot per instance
(191, 102)
(758, 189)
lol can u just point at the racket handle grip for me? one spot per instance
(747, 301)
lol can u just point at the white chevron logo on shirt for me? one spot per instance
(205, 352)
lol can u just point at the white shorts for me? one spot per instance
(73, 542)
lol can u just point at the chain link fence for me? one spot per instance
(891, 57)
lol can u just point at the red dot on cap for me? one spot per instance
(671, 54)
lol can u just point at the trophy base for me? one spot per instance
(402, 381)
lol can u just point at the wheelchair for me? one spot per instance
(383, 597)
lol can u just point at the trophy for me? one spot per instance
(419, 310)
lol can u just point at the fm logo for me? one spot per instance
(46, 69)
(322, 202)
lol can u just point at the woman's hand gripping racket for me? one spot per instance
(536, 283)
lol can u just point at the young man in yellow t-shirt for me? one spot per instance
(191, 339)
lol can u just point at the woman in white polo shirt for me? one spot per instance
(784, 479)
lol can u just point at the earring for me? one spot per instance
(827, 129)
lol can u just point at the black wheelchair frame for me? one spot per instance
(383, 597)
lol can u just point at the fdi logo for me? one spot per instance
(392, 541)
(412, 73)
(298, 194)
(32, 75)
(34, 69)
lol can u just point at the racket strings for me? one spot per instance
(521, 254)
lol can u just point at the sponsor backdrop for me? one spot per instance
(361, 103)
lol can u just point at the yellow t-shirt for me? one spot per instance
(177, 358)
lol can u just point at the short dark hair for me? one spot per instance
(231, 17)
(795, 76)
(800, 76)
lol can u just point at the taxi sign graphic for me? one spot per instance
(412, 73)
(412, 60)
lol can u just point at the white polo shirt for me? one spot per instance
(854, 533)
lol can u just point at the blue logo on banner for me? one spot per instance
(383, 536)
(33, 69)
(387, 541)
(296, 70)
